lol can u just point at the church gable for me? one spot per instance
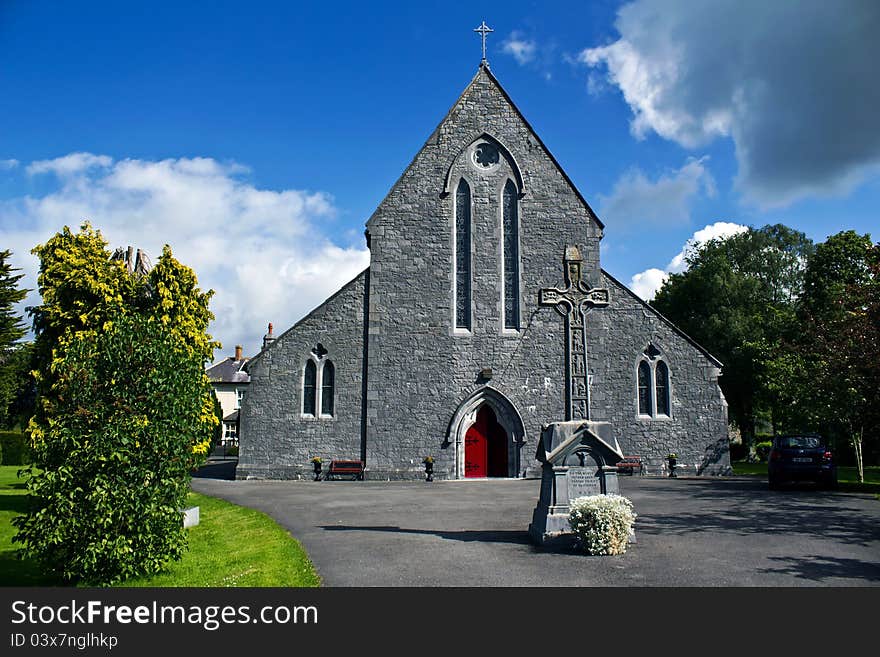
(629, 301)
(484, 111)
(476, 223)
(340, 311)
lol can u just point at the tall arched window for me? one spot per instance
(644, 388)
(463, 255)
(510, 226)
(328, 380)
(661, 387)
(310, 380)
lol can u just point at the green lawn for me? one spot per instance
(847, 476)
(231, 546)
(13, 500)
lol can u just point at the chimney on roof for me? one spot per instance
(238, 352)
(269, 338)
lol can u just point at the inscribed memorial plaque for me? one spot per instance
(582, 481)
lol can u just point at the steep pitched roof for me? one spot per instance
(313, 312)
(483, 72)
(543, 146)
(666, 321)
(229, 370)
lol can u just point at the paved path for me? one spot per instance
(690, 532)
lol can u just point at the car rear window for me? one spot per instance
(800, 441)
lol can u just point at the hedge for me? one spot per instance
(15, 448)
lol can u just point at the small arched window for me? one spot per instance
(310, 380)
(463, 255)
(644, 388)
(661, 387)
(510, 228)
(328, 381)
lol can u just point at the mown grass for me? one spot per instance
(231, 546)
(13, 501)
(847, 476)
(235, 546)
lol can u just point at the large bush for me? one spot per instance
(603, 523)
(113, 466)
(15, 448)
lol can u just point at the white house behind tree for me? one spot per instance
(230, 382)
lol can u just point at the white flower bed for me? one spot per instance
(602, 522)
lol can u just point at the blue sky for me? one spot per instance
(257, 138)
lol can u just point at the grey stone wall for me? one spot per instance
(420, 369)
(276, 440)
(696, 429)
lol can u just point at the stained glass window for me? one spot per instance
(661, 376)
(644, 388)
(511, 256)
(328, 379)
(463, 255)
(309, 388)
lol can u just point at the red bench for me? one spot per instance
(630, 464)
(354, 469)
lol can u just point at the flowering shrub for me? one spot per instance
(602, 522)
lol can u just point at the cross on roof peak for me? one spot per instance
(484, 30)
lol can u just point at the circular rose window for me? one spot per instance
(486, 155)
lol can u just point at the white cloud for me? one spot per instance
(792, 83)
(8, 164)
(523, 50)
(646, 283)
(267, 254)
(718, 230)
(69, 165)
(635, 199)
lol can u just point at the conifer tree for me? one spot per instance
(13, 357)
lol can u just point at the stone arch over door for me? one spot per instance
(505, 414)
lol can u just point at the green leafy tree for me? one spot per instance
(87, 299)
(83, 289)
(832, 369)
(738, 299)
(114, 466)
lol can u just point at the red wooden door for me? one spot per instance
(475, 449)
(485, 447)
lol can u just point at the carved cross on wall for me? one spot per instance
(571, 303)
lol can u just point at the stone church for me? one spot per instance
(484, 315)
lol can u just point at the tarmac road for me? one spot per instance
(690, 532)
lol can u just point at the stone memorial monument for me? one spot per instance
(578, 456)
(577, 460)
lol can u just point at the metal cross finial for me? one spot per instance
(484, 30)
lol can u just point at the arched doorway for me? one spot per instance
(499, 428)
(485, 446)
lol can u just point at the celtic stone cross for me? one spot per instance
(571, 303)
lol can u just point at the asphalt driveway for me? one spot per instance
(689, 532)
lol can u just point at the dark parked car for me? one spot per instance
(801, 458)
